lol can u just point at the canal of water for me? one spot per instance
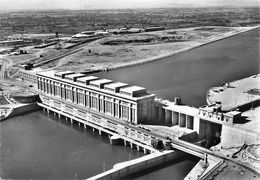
(193, 72)
(38, 146)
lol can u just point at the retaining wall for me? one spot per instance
(129, 167)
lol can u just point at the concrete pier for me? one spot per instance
(145, 151)
(133, 166)
(123, 139)
(131, 145)
(115, 140)
(100, 132)
(204, 168)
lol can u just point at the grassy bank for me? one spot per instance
(130, 52)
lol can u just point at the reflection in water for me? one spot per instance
(176, 169)
(40, 146)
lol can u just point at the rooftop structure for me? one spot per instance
(133, 91)
(100, 83)
(192, 111)
(114, 87)
(215, 114)
(88, 32)
(74, 76)
(29, 74)
(92, 82)
(62, 74)
(86, 79)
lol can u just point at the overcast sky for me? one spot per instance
(106, 4)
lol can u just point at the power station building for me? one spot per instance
(115, 104)
(131, 104)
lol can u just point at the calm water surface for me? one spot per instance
(192, 73)
(37, 146)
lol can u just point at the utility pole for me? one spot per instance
(57, 45)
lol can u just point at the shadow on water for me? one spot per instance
(42, 146)
(149, 173)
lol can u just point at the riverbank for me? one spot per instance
(156, 58)
(105, 57)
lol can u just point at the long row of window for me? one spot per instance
(90, 100)
(27, 77)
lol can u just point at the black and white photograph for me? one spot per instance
(129, 89)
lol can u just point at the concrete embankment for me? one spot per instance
(204, 168)
(22, 109)
(242, 94)
(143, 61)
(129, 167)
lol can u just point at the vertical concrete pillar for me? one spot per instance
(179, 119)
(138, 148)
(182, 120)
(99, 132)
(130, 113)
(186, 119)
(79, 124)
(85, 126)
(98, 103)
(189, 123)
(175, 118)
(48, 111)
(113, 107)
(54, 113)
(131, 145)
(145, 151)
(196, 124)
(125, 142)
(168, 117)
(71, 121)
(160, 114)
(59, 115)
(93, 129)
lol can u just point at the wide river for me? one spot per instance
(190, 74)
(38, 146)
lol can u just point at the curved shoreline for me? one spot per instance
(156, 58)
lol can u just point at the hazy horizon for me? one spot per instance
(16, 5)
